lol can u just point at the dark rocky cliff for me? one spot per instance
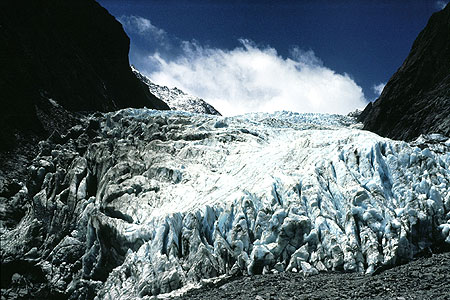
(416, 100)
(73, 52)
(58, 58)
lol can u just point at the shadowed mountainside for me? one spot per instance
(416, 100)
(58, 58)
(73, 52)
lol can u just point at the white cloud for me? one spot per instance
(441, 4)
(251, 78)
(378, 88)
(142, 26)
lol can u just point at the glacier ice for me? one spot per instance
(168, 199)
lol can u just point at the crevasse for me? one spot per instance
(163, 200)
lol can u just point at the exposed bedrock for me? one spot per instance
(59, 58)
(176, 98)
(416, 99)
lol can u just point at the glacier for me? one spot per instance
(161, 200)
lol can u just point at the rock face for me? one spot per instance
(72, 52)
(176, 98)
(142, 202)
(416, 100)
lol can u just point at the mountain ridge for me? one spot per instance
(416, 99)
(176, 98)
(58, 58)
(72, 52)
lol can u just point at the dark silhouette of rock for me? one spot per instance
(416, 100)
(73, 52)
(58, 58)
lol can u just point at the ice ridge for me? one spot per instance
(167, 199)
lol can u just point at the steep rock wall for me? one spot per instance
(416, 100)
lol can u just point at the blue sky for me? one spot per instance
(325, 56)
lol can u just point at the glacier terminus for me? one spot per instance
(164, 200)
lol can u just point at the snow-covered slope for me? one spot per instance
(176, 98)
(162, 200)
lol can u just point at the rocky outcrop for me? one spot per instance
(58, 58)
(176, 98)
(71, 52)
(416, 100)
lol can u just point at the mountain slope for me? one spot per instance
(58, 58)
(176, 98)
(147, 202)
(73, 52)
(416, 100)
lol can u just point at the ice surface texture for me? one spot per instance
(162, 200)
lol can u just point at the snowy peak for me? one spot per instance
(176, 98)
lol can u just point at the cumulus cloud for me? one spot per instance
(378, 88)
(252, 78)
(441, 4)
